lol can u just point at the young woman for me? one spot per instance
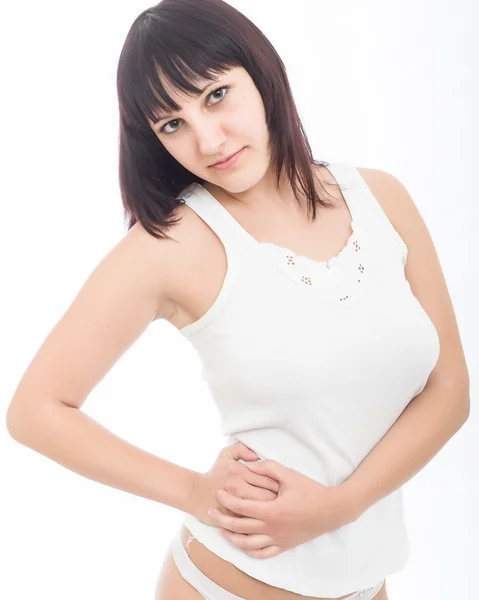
(289, 277)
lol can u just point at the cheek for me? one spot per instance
(244, 118)
(179, 151)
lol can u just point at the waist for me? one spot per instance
(236, 581)
(333, 565)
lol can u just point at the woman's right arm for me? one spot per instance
(121, 297)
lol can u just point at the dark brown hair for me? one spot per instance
(184, 40)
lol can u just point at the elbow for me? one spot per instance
(465, 393)
(455, 388)
(460, 392)
(13, 424)
(461, 395)
(17, 422)
(467, 408)
(26, 420)
(29, 420)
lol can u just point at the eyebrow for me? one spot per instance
(168, 113)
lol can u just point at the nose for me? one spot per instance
(210, 137)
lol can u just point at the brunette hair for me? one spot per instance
(185, 40)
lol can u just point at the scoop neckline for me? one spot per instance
(327, 264)
(339, 279)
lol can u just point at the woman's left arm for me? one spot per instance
(440, 410)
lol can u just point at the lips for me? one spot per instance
(226, 159)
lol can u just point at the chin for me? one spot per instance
(241, 181)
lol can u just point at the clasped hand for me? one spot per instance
(264, 507)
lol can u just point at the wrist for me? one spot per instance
(191, 497)
(351, 502)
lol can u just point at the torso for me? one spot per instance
(201, 260)
(201, 269)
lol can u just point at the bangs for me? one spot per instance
(180, 76)
(182, 58)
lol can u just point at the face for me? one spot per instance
(228, 116)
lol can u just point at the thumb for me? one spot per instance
(241, 451)
(267, 467)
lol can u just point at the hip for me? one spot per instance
(241, 585)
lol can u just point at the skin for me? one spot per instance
(205, 131)
(179, 282)
(172, 586)
(214, 126)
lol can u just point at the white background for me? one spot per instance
(387, 85)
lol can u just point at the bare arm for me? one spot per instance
(440, 410)
(123, 295)
(428, 422)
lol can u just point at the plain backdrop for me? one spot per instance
(387, 85)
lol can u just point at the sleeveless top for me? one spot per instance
(309, 364)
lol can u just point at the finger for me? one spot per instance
(262, 481)
(253, 492)
(258, 509)
(240, 450)
(256, 493)
(234, 524)
(247, 542)
(265, 552)
(226, 511)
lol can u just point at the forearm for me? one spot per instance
(422, 429)
(76, 441)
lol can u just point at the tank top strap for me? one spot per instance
(364, 206)
(234, 237)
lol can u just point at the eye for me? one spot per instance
(163, 130)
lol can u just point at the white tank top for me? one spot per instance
(309, 364)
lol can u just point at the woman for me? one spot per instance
(314, 335)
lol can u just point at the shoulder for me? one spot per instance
(159, 259)
(174, 261)
(399, 206)
(394, 198)
(401, 210)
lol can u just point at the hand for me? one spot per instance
(229, 474)
(302, 510)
